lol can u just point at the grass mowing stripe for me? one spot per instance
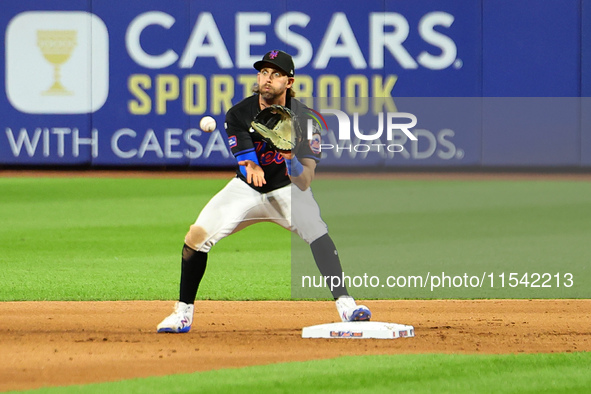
(423, 373)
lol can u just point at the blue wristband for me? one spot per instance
(294, 167)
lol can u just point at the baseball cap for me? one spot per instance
(279, 59)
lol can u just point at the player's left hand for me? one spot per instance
(254, 173)
(278, 127)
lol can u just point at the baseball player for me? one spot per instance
(268, 186)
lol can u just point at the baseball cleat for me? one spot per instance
(180, 320)
(361, 313)
(350, 311)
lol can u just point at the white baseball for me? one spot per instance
(207, 124)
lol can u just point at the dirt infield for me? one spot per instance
(64, 343)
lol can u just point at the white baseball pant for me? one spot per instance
(238, 206)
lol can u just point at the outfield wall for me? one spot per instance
(111, 83)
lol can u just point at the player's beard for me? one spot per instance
(271, 93)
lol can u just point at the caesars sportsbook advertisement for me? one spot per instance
(110, 83)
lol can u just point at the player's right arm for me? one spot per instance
(243, 150)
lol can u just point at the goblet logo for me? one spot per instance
(56, 47)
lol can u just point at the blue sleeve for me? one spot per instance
(247, 155)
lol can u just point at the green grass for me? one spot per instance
(112, 239)
(390, 228)
(424, 373)
(121, 239)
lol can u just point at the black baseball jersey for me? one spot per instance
(243, 140)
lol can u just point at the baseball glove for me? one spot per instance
(278, 127)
